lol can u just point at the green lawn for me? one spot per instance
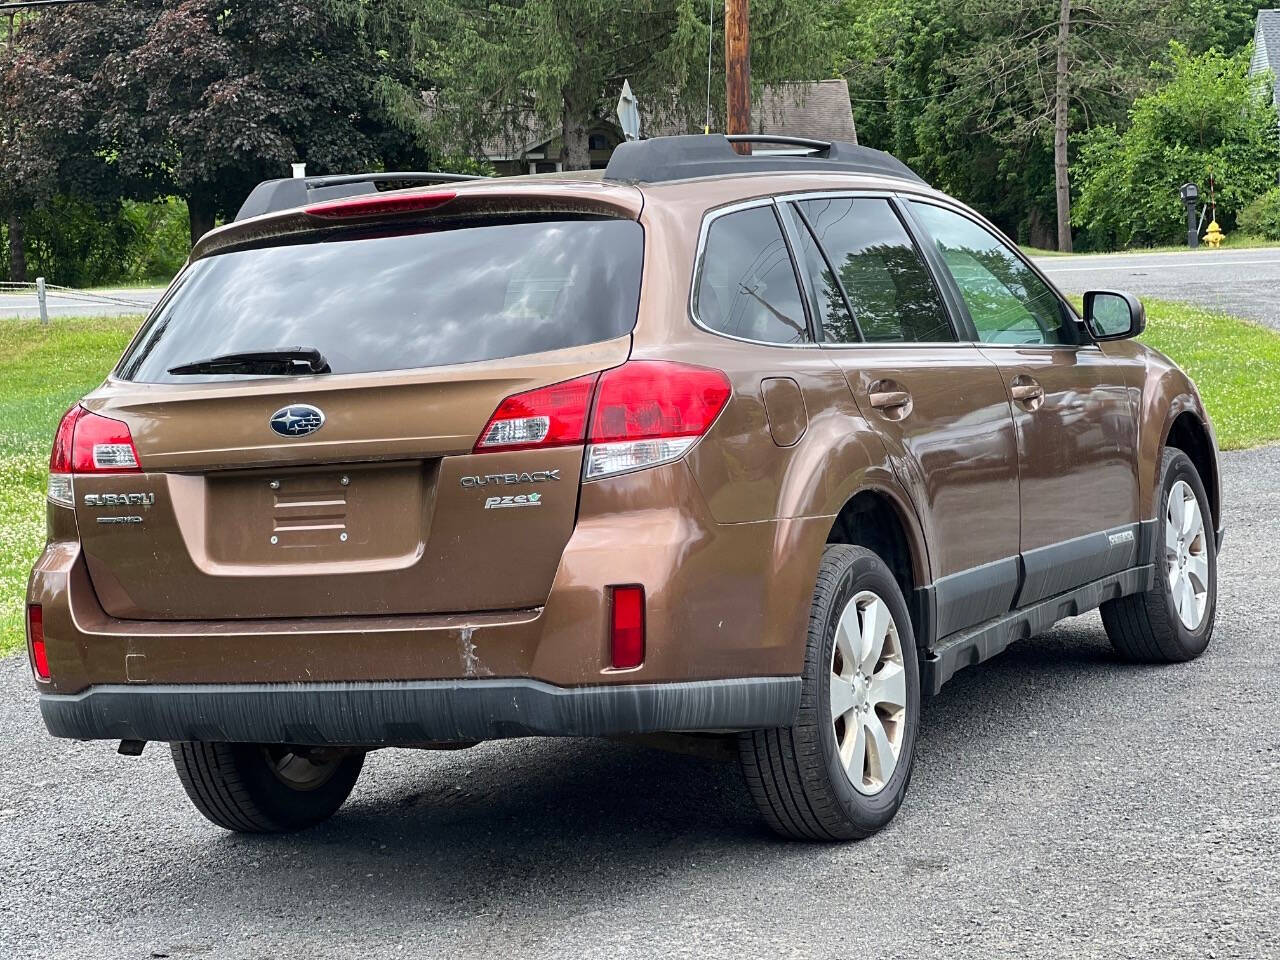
(44, 370)
(1232, 241)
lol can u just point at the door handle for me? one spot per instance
(1026, 390)
(889, 399)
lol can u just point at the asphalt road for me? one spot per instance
(1242, 282)
(1064, 805)
(78, 303)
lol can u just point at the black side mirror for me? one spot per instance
(1114, 315)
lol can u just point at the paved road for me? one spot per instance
(1064, 805)
(99, 303)
(1243, 282)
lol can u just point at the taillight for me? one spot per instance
(88, 443)
(35, 637)
(554, 416)
(649, 412)
(379, 205)
(644, 413)
(626, 627)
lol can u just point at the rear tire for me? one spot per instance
(841, 773)
(1173, 621)
(256, 788)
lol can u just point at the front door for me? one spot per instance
(939, 405)
(1073, 409)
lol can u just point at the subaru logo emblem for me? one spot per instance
(297, 420)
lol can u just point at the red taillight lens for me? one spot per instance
(35, 636)
(89, 443)
(60, 459)
(554, 416)
(626, 627)
(650, 399)
(379, 205)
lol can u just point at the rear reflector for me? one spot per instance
(626, 627)
(35, 637)
(645, 412)
(380, 205)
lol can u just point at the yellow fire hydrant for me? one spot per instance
(1213, 236)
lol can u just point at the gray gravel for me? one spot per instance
(1242, 282)
(1064, 805)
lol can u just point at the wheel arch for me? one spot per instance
(1188, 433)
(879, 520)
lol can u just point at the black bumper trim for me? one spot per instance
(408, 712)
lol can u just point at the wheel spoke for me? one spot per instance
(880, 756)
(1177, 508)
(1198, 571)
(889, 686)
(848, 641)
(1171, 540)
(853, 749)
(1190, 613)
(1190, 516)
(841, 697)
(875, 624)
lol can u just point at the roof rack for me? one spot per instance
(701, 155)
(286, 193)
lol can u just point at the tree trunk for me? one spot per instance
(1062, 180)
(201, 214)
(17, 255)
(575, 147)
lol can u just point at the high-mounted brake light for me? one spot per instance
(644, 413)
(88, 443)
(377, 205)
(35, 637)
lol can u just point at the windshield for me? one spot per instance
(396, 302)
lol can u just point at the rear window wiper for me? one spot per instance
(287, 361)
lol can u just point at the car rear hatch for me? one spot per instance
(352, 485)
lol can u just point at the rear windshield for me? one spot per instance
(397, 302)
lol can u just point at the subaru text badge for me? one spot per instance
(297, 420)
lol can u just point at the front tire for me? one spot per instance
(257, 788)
(842, 770)
(1173, 621)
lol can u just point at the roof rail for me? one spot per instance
(701, 155)
(288, 192)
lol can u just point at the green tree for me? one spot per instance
(504, 65)
(1209, 117)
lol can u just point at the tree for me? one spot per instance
(503, 66)
(1209, 117)
(204, 98)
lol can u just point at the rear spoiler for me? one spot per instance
(272, 196)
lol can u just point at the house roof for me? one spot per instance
(1266, 47)
(820, 110)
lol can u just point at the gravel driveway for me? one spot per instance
(1241, 282)
(1063, 805)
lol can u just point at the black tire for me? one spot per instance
(1145, 627)
(795, 773)
(236, 786)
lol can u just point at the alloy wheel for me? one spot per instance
(868, 692)
(1186, 555)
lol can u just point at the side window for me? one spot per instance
(879, 271)
(1007, 301)
(746, 284)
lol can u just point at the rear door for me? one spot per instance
(939, 404)
(356, 491)
(1073, 408)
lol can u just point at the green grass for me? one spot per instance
(1232, 241)
(44, 370)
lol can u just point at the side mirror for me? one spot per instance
(1112, 315)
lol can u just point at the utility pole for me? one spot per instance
(737, 69)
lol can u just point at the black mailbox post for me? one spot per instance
(1190, 193)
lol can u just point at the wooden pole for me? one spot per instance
(737, 69)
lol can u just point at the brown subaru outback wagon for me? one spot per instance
(761, 447)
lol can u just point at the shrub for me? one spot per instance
(1262, 217)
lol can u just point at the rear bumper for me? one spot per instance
(413, 712)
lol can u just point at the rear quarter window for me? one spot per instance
(397, 301)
